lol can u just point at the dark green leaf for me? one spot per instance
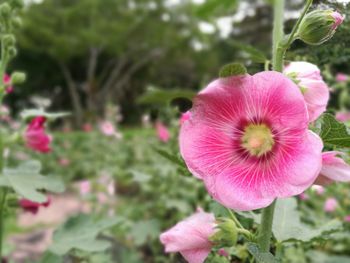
(334, 132)
(261, 257)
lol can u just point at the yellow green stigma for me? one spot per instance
(257, 139)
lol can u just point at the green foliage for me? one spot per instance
(144, 230)
(214, 8)
(27, 181)
(333, 132)
(261, 257)
(252, 52)
(287, 225)
(154, 96)
(233, 69)
(80, 232)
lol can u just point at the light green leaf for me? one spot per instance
(232, 69)
(28, 114)
(254, 54)
(321, 257)
(214, 8)
(27, 181)
(80, 232)
(287, 225)
(145, 230)
(333, 132)
(261, 257)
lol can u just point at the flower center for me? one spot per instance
(257, 139)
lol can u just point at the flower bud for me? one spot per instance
(5, 10)
(18, 77)
(318, 26)
(12, 51)
(226, 234)
(9, 39)
(16, 22)
(17, 4)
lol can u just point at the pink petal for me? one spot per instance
(335, 168)
(196, 255)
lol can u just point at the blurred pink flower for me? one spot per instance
(330, 205)
(162, 132)
(341, 77)
(33, 207)
(7, 82)
(304, 196)
(107, 128)
(111, 188)
(223, 252)
(333, 169)
(347, 218)
(64, 162)
(250, 134)
(315, 90)
(84, 187)
(102, 198)
(318, 189)
(36, 137)
(185, 117)
(190, 237)
(343, 116)
(338, 19)
(87, 127)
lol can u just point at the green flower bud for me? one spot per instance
(226, 234)
(233, 69)
(5, 10)
(318, 26)
(12, 51)
(9, 40)
(16, 22)
(18, 77)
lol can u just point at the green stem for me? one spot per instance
(277, 35)
(3, 193)
(265, 231)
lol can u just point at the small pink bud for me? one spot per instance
(341, 77)
(222, 252)
(330, 205)
(347, 218)
(162, 132)
(85, 187)
(33, 207)
(304, 196)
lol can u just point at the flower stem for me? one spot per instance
(265, 230)
(3, 193)
(277, 35)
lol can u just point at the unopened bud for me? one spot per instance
(9, 40)
(319, 26)
(18, 77)
(5, 10)
(12, 51)
(226, 234)
(16, 22)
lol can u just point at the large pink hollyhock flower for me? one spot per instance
(36, 137)
(33, 207)
(334, 168)
(162, 132)
(341, 77)
(315, 90)
(190, 237)
(248, 140)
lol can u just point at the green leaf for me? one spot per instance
(142, 231)
(287, 225)
(49, 257)
(157, 96)
(261, 257)
(214, 8)
(321, 257)
(28, 114)
(253, 53)
(232, 69)
(80, 232)
(27, 181)
(333, 132)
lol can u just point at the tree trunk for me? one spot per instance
(74, 95)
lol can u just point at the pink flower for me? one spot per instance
(315, 90)
(64, 162)
(185, 117)
(338, 19)
(85, 187)
(7, 82)
(107, 128)
(318, 189)
(343, 116)
(330, 205)
(304, 196)
(102, 198)
(33, 207)
(333, 169)
(162, 132)
(223, 252)
(347, 218)
(190, 237)
(248, 140)
(87, 127)
(35, 136)
(341, 77)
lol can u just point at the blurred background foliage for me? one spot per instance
(84, 54)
